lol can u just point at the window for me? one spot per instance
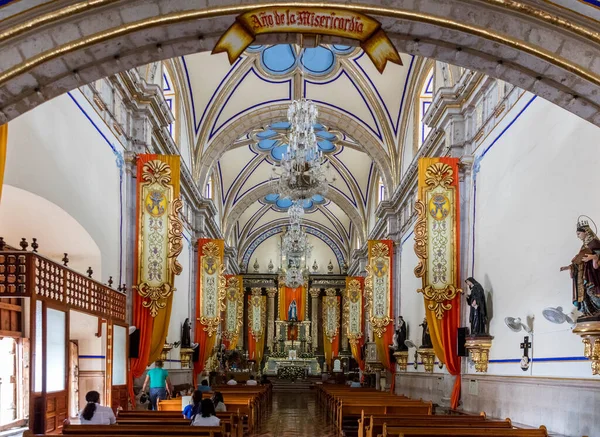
(208, 191)
(425, 98)
(169, 93)
(380, 191)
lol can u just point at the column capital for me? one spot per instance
(271, 292)
(256, 291)
(315, 293)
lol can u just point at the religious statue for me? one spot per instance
(585, 272)
(426, 337)
(186, 338)
(478, 308)
(400, 336)
(292, 311)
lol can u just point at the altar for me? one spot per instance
(309, 365)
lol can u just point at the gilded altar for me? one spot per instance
(310, 365)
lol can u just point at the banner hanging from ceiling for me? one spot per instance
(257, 321)
(234, 310)
(158, 244)
(309, 20)
(331, 325)
(210, 299)
(437, 246)
(378, 296)
(354, 316)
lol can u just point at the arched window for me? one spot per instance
(208, 190)
(425, 98)
(169, 93)
(380, 191)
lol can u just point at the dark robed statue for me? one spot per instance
(585, 272)
(426, 337)
(400, 336)
(186, 329)
(478, 308)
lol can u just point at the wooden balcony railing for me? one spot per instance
(28, 274)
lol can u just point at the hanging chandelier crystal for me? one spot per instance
(296, 212)
(303, 171)
(295, 243)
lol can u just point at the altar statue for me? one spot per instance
(186, 339)
(426, 337)
(585, 272)
(400, 336)
(477, 306)
(292, 311)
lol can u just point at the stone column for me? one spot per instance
(129, 222)
(314, 316)
(271, 292)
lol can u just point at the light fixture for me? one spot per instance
(516, 325)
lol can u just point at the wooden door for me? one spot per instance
(73, 379)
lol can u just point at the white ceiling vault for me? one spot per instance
(236, 123)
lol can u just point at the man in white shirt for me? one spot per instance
(251, 381)
(231, 381)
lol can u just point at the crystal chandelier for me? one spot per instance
(295, 243)
(303, 171)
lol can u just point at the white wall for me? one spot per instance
(533, 183)
(55, 151)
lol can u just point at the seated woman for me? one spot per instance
(207, 417)
(220, 406)
(94, 413)
(194, 408)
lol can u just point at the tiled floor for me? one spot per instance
(295, 415)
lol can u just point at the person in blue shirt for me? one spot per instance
(204, 386)
(195, 407)
(355, 383)
(158, 381)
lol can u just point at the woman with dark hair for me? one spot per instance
(94, 413)
(194, 408)
(208, 416)
(219, 402)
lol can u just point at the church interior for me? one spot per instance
(300, 218)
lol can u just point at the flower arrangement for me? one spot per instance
(280, 354)
(307, 355)
(291, 372)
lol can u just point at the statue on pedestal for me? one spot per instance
(186, 337)
(478, 308)
(400, 336)
(585, 272)
(426, 337)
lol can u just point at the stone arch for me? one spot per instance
(270, 114)
(531, 46)
(261, 191)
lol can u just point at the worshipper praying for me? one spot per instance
(204, 387)
(207, 415)
(94, 413)
(231, 381)
(158, 381)
(219, 402)
(191, 410)
(251, 381)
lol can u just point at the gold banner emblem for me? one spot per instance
(309, 20)
(331, 315)
(212, 285)
(234, 308)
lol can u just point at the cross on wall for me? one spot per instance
(525, 346)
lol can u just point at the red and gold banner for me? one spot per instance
(257, 321)
(331, 325)
(309, 20)
(378, 296)
(354, 316)
(437, 245)
(158, 244)
(234, 310)
(292, 301)
(210, 298)
(3, 146)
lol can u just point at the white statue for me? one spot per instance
(292, 354)
(337, 366)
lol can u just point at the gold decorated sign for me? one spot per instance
(212, 285)
(331, 315)
(309, 20)
(353, 310)
(378, 285)
(436, 234)
(257, 314)
(234, 308)
(159, 225)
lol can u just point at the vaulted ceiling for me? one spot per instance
(236, 123)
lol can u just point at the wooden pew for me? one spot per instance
(374, 427)
(391, 431)
(230, 421)
(143, 430)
